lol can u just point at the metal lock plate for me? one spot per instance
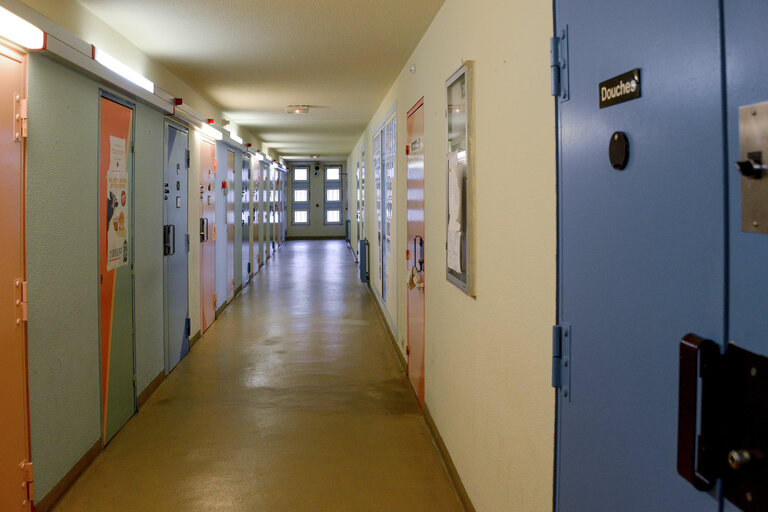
(753, 139)
(746, 483)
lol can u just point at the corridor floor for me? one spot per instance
(293, 400)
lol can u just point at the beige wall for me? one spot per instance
(488, 359)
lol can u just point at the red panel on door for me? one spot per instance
(14, 422)
(207, 224)
(415, 243)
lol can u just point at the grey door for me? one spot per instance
(175, 245)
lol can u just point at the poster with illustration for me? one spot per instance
(117, 208)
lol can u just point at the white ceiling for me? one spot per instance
(252, 58)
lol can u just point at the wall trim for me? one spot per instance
(385, 321)
(460, 489)
(61, 488)
(151, 388)
(194, 339)
(445, 454)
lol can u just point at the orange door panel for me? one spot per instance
(207, 234)
(14, 417)
(415, 247)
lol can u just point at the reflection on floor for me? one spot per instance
(292, 401)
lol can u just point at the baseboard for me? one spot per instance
(460, 490)
(61, 488)
(151, 388)
(194, 339)
(220, 310)
(238, 290)
(390, 334)
(341, 237)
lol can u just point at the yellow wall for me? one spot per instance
(488, 359)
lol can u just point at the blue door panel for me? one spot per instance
(642, 251)
(746, 46)
(175, 276)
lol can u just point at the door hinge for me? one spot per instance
(561, 359)
(22, 303)
(187, 159)
(28, 481)
(21, 117)
(558, 62)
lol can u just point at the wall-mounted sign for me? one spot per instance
(619, 89)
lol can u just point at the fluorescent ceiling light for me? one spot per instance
(297, 109)
(259, 156)
(212, 132)
(20, 31)
(236, 138)
(124, 71)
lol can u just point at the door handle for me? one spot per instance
(697, 451)
(173, 239)
(167, 240)
(418, 262)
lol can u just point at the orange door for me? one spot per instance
(14, 416)
(207, 233)
(230, 196)
(415, 245)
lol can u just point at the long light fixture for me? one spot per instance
(211, 131)
(236, 138)
(20, 32)
(124, 71)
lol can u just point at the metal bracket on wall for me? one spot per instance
(558, 62)
(561, 359)
(20, 116)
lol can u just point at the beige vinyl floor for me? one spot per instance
(293, 400)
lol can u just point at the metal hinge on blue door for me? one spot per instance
(561, 359)
(558, 63)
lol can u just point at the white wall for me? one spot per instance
(488, 360)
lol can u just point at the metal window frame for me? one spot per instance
(332, 207)
(325, 173)
(293, 174)
(293, 217)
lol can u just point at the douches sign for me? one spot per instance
(619, 89)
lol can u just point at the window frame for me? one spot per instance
(333, 185)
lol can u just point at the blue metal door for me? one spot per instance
(175, 276)
(746, 46)
(641, 250)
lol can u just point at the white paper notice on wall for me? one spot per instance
(454, 217)
(117, 204)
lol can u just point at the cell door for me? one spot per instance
(746, 46)
(415, 247)
(245, 219)
(116, 264)
(256, 216)
(641, 243)
(175, 245)
(207, 233)
(14, 404)
(230, 198)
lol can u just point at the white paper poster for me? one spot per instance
(454, 221)
(117, 209)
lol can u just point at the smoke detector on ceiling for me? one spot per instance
(297, 109)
